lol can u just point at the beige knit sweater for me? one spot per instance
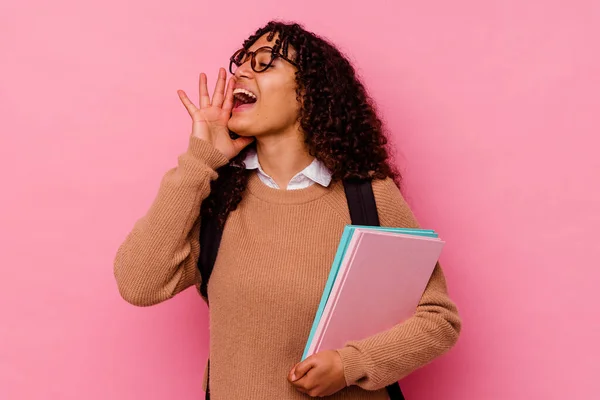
(274, 260)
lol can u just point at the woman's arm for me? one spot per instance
(385, 358)
(158, 258)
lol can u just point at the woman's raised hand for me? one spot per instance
(209, 121)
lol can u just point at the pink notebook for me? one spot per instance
(380, 283)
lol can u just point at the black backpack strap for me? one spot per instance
(210, 240)
(207, 394)
(361, 202)
(393, 391)
(363, 211)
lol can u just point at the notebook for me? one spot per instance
(376, 281)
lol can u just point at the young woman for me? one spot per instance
(303, 122)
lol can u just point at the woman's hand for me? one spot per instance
(209, 121)
(319, 375)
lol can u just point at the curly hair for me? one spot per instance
(338, 119)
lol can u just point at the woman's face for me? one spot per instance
(276, 108)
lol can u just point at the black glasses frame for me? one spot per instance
(234, 59)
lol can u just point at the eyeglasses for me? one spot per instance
(260, 59)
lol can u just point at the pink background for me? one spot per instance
(493, 106)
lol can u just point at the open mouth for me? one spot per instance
(243, 97)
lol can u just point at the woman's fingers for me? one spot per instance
(228, 103)
(219, 94)
(190, 107)
(204, 98)
(242, 142)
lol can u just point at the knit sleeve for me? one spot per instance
(388, 356)
(158, 258)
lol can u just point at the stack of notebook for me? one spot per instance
(376, 281)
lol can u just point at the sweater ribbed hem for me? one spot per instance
(353, 366)
(206, 152)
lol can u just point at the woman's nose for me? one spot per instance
(244, 70)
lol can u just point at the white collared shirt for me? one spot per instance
(316, 172)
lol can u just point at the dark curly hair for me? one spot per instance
(338, 118)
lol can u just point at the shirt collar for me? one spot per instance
(316, 171)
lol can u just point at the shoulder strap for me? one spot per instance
(363, 211)
(210, 240)
(361, 202)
